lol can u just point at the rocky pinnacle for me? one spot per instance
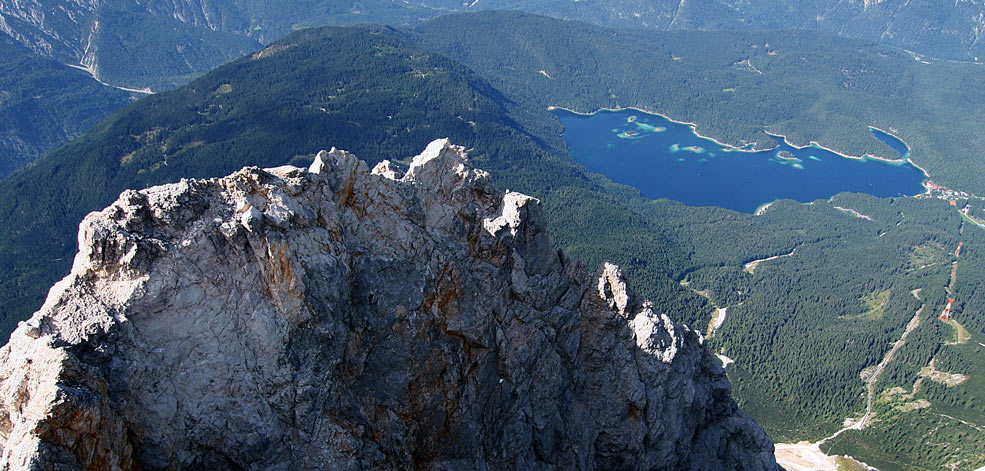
(343, 318)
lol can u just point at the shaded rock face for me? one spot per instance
(342, 318)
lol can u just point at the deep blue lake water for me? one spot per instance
(664, 159)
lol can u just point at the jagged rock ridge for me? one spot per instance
(342, 318)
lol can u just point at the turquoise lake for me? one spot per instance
(665, 159)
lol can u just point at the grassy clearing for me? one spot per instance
(942, 377)
(846, 463)
(961, 335)
(918, 440)
(875, 304)
(972, 220)
(926, 255)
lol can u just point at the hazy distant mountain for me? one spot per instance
(44, 104)
(160, 43)
(943, 29)
(129, 44)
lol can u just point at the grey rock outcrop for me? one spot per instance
(342, 318)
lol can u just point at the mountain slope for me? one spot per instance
(161, 44)
(950, 30)
(182, 39)
(125, 43)
(736, 85)
(339, 318)
(365, 89)
(44, 104)
(132, 48)
(361, 86)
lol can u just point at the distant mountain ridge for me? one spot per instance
(951, 30)
(156, 44)
(161, 44)
(44, 104)
(383, 92)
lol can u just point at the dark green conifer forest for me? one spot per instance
(804, 329)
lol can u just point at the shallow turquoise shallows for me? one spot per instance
(664, 159)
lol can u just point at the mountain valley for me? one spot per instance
(44, 104)
(837, 283)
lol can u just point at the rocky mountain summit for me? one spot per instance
(341, 318)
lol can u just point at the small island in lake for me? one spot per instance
(787, 157)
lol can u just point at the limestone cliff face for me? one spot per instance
(342, 318)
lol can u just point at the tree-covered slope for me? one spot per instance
(942, 29)
(364, 90)
(801, 328)
(130, 47)
(44, 104)
(133, 44)
(736, 85)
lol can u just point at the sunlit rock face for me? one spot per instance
(339, 317)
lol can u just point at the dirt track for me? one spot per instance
(806, 456)
(871, 383)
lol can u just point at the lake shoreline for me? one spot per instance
(668, 118)
(907, 158)
(706, 176)
(761, 210)
(747, 148)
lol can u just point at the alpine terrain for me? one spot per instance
(341, 318)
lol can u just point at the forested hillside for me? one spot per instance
(185, 38)
(736, 85)
(942, 29)
(44, 104)
(369, 91)
(816, 294)
(132, 48)
(930, 404)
